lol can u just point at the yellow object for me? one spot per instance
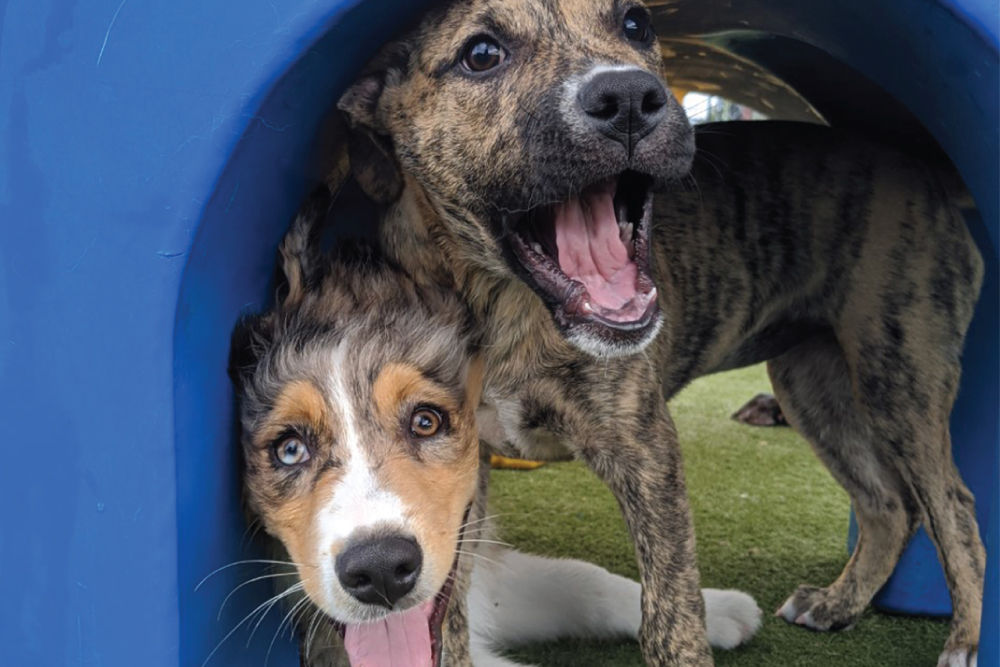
(513, 464)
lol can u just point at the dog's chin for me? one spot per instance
(588, 259)
(397, 637)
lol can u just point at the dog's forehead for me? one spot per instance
(567, 24)
(380, 370)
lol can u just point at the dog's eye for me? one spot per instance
(482, 54)
(291, 451)
(636, 25)
(425, 422)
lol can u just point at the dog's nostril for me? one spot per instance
(605, 109)
(381, 570)
(653, 101)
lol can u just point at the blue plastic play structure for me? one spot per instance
(151, 155)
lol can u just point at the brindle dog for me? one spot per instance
(516, 146)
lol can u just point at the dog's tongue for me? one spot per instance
(591, 250)
(398, 640)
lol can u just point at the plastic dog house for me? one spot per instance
(151, 157)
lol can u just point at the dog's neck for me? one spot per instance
(413, 235)
(418, 236)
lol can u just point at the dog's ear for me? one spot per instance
(474, 381)
(372, 155)
(300, 258)
(361, 101)
(374, 167)
(249, 339)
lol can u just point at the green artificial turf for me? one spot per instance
(767, 515)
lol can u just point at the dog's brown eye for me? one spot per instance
(483, 54)
(425, 422)
(636, 26)
(291, 451)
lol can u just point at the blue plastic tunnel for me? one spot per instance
(151, 155)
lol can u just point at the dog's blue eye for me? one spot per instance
(483, 54)
(291, 451)
(636, 25)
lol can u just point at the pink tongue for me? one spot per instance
(398, 640)
(591, 250)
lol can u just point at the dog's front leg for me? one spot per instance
(642, 465)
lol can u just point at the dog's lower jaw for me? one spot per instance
(603, 348)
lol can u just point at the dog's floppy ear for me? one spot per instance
(372, 156)
(361, 101)
(300, 257)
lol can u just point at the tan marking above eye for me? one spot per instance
(399, 383)
(299, 402)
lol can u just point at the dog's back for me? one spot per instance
(782, 226)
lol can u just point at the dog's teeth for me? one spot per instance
(586, 308)
(626, 232)
(537, 248)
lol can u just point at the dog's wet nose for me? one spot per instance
(624, 105)
(380, 571)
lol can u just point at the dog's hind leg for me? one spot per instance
(910, 406)
(520, 598)
(813, 386)
(517, 598)
(880, 423)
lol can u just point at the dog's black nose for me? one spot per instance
(380, 571)
(624, 105)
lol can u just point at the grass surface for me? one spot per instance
(767, 517)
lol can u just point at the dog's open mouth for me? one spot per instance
(588, 257)
(410, 638)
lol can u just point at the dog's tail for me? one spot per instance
(300, 255)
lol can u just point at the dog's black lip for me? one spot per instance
(560, 292)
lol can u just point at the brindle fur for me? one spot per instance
(842, 263)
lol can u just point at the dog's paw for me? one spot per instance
(731, 617)
(959, 657)
(816, 609)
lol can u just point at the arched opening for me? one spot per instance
(850, 63)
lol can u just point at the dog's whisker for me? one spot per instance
(247, 583)
(274, 600)
(253, 526)
(485, 541)
(473, 554)
(295, 607)
(313, 627)
(244, 562)
(485, 518)
(266, 603)
(712, 160)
